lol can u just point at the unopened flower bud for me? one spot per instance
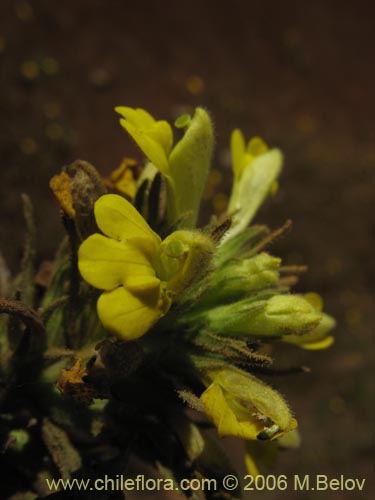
(241, 277)
(280, 315)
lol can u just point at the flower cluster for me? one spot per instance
(211, 292)
(143, 315)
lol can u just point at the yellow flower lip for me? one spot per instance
(120, 262)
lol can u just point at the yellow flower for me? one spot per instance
(241, 405)
(184, 166)
(243, 155)
(317, 338)
(154, 137)
(139, 273)
(123, 180)
(120, 262)
(255, 170)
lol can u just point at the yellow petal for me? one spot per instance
(257, 146)
(144, 128)
(162, 133)
(237, 146)
(155, 138)
(315, 300)
(123, 178)
(145, 118)
(119, 219)
(251, 466)
(322, 344)
(138, 117)
(106, 263)
(129, 316)
(224, 418)
(143, 286)
(151, 148)
(317, 338)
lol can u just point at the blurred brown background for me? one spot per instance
(301, 75)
